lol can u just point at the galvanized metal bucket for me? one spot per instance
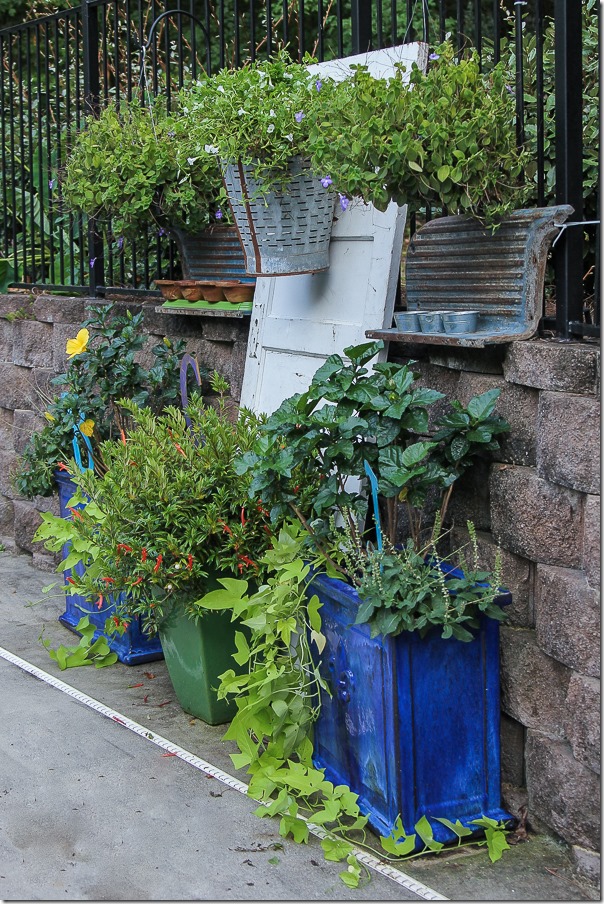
(283, 232)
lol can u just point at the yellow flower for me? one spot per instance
(78, 345)
(48, 416)
(87, 427)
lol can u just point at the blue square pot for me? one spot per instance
(133, 646)
(412, 725)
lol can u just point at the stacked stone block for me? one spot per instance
(543, 508)
(33, 334)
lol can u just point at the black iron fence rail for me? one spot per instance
(58, 69)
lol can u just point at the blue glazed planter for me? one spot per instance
(133, 646)
(412, 725)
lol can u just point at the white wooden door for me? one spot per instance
(298, 321)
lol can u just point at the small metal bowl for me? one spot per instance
(460, 321)
(407, 321)
(430, 321)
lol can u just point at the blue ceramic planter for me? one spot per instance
(133, 646)
(412, 725)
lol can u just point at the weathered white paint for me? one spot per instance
(298, 321)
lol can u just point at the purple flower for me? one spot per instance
(318, 85)
(92, 262)
(171, 134)
(299, 116)
(120, 242)
(51, 184)
(326, 181)
(509, 89)
(218, 214)
(434, 56)
(161, 231)
(344, 202)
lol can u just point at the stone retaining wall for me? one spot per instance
(540, 501)
(32, 351)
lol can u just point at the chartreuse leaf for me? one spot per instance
(312, 609)
(335, 848)
(294, 826)
(424, 830)
(456, 827)
(496, 843)
(352, 875)
(243, 650)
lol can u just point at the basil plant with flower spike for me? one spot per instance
(101, 369)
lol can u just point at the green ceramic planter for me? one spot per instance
(196, 653)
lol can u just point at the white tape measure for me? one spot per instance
(384, 869)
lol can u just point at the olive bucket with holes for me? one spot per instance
(283, 232)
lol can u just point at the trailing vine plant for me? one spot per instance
(278, 698)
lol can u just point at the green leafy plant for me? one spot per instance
(277, 693)
(312, 456)
(255, 114)
(139, 166)
(87, 652)
(445, 137)
(168, 511)
(103, 368)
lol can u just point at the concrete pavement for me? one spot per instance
(90, 810)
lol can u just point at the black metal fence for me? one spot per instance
(56, 70)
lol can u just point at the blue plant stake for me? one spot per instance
(376, 512)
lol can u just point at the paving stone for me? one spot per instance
(517, 404)
(535, 519)
(16, 386)
(591, 540)
(6, 428)
(27, 521)
(59, 309)
(8, 463)
(582, 725)
(533, 685)
(478, 360)
(587, 864)
(567, 618)
(7, 333)
(25, 423)
(562, 792)
(7, 516)
(568, 446)
(33, 344)
(546, 364)
(512, 737)
(518, 576)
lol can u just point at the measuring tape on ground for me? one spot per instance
(369, 860)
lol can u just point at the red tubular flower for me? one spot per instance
(123, 435)
(243, 518)
(158, 562)
(70, 581)
(108, 580)
(123, 547)
(181, 450)
(134, 583)
(225, 527)
(62, 466)
(75, 512)
(189, 562)
(99, 604)
(143, 555)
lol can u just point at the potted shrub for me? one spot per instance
(411, 657)
(255, 119)
(444, 138)
(168, 518)
(102, 368)
(137, 166)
